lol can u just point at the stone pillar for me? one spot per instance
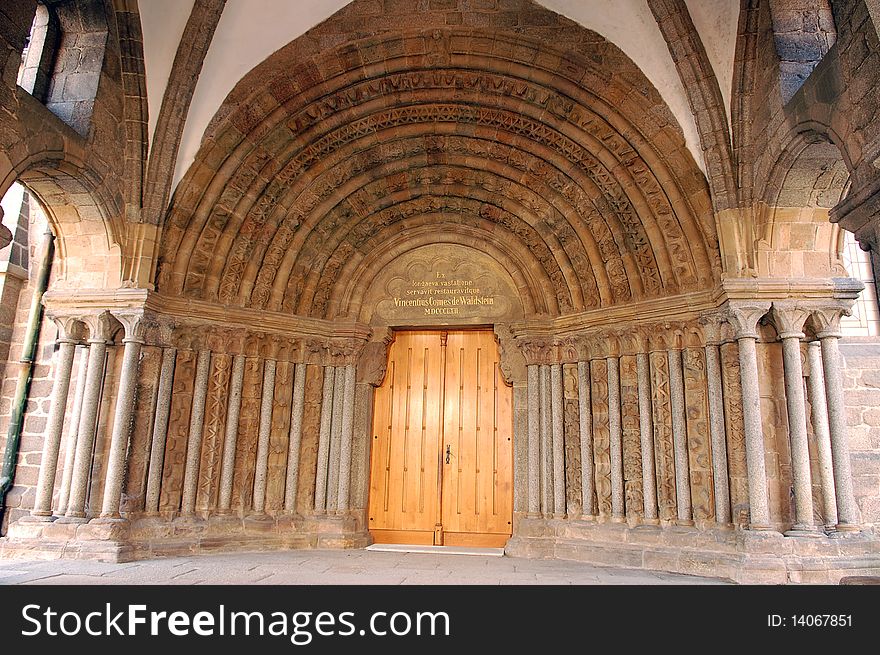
(70, 446)
(585, 420)
(335, 439)
(679, 438)
(558, 421)
(829, 333)
(744, 317)
(160, 431)
(227, 469)
(819, 415)
(646, 435)
(345, 445)
(534, 457)
(194, 439)
(125, 400)
(618, 510)
(99, 333)
(57, 408)
(546, 454)
(789, 321)
(265, 431)
(296, 418)
(717, 433)
(324, 440)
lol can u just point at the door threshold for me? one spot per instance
(443, 550)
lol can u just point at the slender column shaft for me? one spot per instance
(618, 509)
(227, 470)
(70, 446)
(160, 430)
(646, 435)
(546, 448)
(819, 415)
(754, 435)
(585, 420)
(534, 457)
(558, 440)
(342, 503)
(717, 435)
(679, 436)
(335, 439)
(262, 465)
(797, 430)
(125, 399)
(296, 417)
(196, 425)
(847, 510)
(52, 443)
(88, 424)
(324, 440)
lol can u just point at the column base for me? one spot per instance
(803, 531)
(72, 519)
(686, 523)
(37, 518)
(760, 527)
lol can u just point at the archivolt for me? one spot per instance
(295, 188)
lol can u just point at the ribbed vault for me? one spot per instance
(571, 177)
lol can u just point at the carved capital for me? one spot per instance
(789, 318)
(70, 328)
(825, 318)
(715, 328)
(134, 322)
(344, 351)
(100, 326)
(744, 317)
(536, 351)
(373, 363)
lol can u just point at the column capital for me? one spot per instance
(744, 317)
(70, 328)
(826, 317)
(134, 322)
(99, 325)
(715, 328)
(789, 317)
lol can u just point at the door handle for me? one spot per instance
(448, 452)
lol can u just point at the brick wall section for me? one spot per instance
(862, 393)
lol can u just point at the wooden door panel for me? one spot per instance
(442, 389)
(477, 486)
(404, 470)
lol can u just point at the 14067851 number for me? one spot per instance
(821, 620)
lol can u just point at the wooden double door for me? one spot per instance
(442, 458)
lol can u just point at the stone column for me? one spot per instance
(819, 415)
(160, 430)
(618, 509)
(789, 321)
(717, 433)
(646, 434)
(99, 333)
(194, 439)
(585, 421)
(335, 439)
(558, 421)
(296, 417)
(829, 333)
(324, 440)
(679, 438)
(227, 469)
(125, 399)
(744, 317)
(70, 446)
(58, 405)
(534, 461)
(342, 502)
(262, 463)
(546, 451)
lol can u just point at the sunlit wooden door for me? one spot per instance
(441, 470)
(477, 487)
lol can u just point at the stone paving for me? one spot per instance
(321, 567)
